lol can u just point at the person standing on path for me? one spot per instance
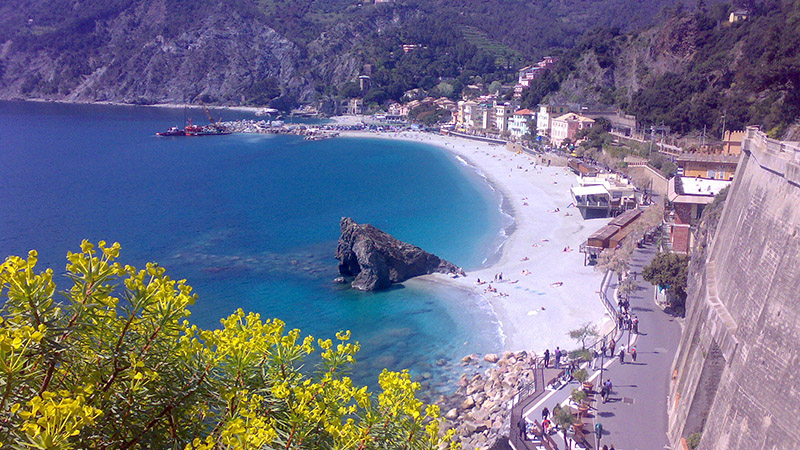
(633, 354)
(557, 358)
(546, 357)
(611, 346)
(622, 356)
(545, 413)
(595, 355)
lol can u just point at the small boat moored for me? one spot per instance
(173, 131)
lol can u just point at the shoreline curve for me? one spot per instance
(546, 291)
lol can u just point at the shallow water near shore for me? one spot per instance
(251, 221)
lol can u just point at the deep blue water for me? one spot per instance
(252, 221)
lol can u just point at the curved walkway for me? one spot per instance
(635, 416)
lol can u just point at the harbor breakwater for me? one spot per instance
(278, 127)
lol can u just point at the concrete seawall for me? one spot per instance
(736, 376)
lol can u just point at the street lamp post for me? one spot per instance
(602, 361)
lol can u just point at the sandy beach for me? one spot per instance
(545, 291)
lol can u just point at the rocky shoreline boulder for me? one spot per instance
(376, 259)
(480, 409)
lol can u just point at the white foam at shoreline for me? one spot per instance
(535, 314)
(508, 218)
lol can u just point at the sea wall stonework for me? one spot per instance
(736, 375)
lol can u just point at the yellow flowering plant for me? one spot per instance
(117, 364)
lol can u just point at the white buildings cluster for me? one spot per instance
(553, 123)
(556, 124)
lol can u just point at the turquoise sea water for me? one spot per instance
(252, 221)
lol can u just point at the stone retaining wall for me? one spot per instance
(737, 370)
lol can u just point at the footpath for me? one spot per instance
(635, 415)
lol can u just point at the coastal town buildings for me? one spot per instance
(364, 82)
(738, 15)
(532, 72)
(502, 115)
(565, 127)
(355, 106)
(732, 142)
(711, 165)
(466, 109)
(545, 115)
(689, 196)
(521, 122)
(481, 116)
(603, 195)
(610, 236)
(398, 109)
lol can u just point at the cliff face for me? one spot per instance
(237, 51)
(737, 364)
(625, 63)
(376, 259)
(162, 51)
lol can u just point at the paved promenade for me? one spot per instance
(635, 417)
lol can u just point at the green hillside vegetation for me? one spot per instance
(327, 43)
(741, 73)
(727, 74)
(504, 56)
(117, 365)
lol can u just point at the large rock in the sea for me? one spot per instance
(376, 259)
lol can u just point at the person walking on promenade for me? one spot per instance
(633, 354)
(546, 357)
(595, 355)
(635, 324)
(545, 413)
(603, 347)
(557, 358)
(611, 347)
(622, 356)
(522, 425)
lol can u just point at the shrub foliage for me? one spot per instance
(118, 365)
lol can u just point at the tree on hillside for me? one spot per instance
(117, 365)
(351, 89)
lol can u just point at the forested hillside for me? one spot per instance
(280, 51)
(695, 70)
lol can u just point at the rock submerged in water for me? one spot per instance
(376, 259)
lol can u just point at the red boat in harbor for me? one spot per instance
(190, 129)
